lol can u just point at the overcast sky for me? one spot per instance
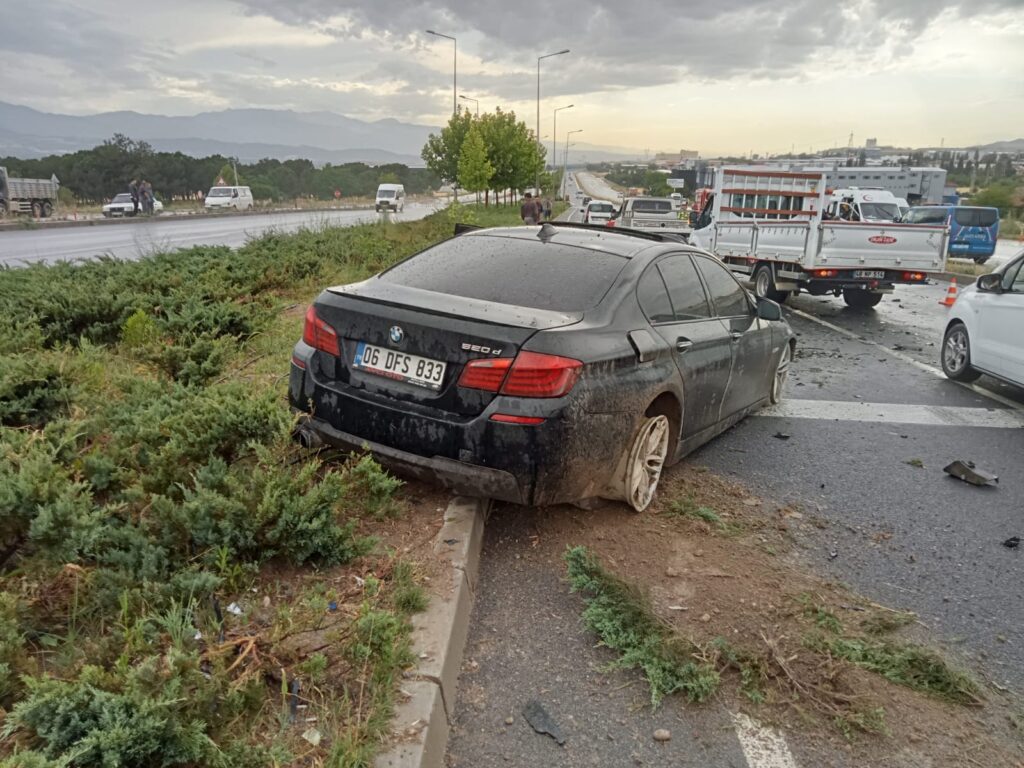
(721, 76)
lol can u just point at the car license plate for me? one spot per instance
(872, 274)
(412, 369)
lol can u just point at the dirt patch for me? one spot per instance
(718, 565)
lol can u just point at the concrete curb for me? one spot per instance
(421, 723)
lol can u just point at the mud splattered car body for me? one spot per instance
(538, 364)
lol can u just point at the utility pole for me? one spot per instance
(536, 136)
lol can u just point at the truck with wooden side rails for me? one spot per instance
(775, 228)
(33, 196)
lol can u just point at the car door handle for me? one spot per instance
(736, 335)
(683, 344)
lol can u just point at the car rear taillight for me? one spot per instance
(610, 223)
(485, 374)
(537, 375)
(529, 374)
(319, 334)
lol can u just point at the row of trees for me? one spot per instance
(493, 151)
(649, 178)
(95, 175)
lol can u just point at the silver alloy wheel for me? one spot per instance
(781, 372)
(646, 460)
(955, 351)
(762, 283)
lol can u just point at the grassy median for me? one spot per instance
(179, 585)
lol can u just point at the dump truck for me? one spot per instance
(774, 228)
(33, 196)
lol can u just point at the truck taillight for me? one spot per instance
(914, 276)
(529, 374)
(826, 272)
(319, 334)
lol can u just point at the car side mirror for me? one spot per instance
(768, 310)
(991, 283)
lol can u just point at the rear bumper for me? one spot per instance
(572, 455)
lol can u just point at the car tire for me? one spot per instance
(956, 354)
(764, 285)
(979, 260)
(781, 374)
(37, 210)
(858, 298)
(648, 453)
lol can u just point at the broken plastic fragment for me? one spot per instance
(313, 736)
(781, 436)
(541, 721)
(969, 473)
(1012, 543)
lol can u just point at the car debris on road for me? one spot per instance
(969, 473)
(542, 722)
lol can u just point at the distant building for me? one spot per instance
(871, 144)
(672, 159)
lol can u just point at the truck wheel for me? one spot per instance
(858, 298)
(3, 209)
(47, 209)
(37, 210)
(764, 285)
(956, 354)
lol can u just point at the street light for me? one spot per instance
(536, 180)
(455, 66)
(476, 101)
(554, 135)
(565, 165)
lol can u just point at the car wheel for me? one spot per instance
(781, 373)
(764, 285)
(956, 354)
(981, 259)
(858, 298)
(646, 459)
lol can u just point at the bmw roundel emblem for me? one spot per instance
(396, 334)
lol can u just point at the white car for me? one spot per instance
(221, 198)
(598, 212)
(122, 205)
(985, 331)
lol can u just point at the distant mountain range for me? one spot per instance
(248, 134)
(1014, 145)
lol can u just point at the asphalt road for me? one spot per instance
(863, 400)
(139, 238)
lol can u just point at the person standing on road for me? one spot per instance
(547, 209)
(133, 190)
(528, 210)
(146, 194)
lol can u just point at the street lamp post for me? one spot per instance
(455, 66)
(475, 101)
(554, 136)
(565, 165)
(536, 180)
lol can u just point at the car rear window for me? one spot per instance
(975, 217)
(508, 270)
(652, 206)
(601, 208)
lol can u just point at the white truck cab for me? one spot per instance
(224, 197)
(863, 204)
(390, 197)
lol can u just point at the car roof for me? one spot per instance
(625, 243)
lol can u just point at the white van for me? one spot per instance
(390, 197)
(863, 204)
(598, 212)
(221, 198)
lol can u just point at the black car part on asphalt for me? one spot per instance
(538, 364)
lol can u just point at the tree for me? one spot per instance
(442, 151)
(475, 170)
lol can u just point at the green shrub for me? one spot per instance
(33, 390)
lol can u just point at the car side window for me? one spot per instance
(729, 299)
(653, 297)
(1014, 279)
(689, 301)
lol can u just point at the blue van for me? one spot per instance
(972, 230)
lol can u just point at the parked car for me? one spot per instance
(239, 198)
(984, 330)
(390, 197)
(122, 205)
(539, 365)
(598, 212)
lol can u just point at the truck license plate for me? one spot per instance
(412, 369)
(869, 274)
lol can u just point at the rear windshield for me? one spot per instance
(523, 273)
(601, 208)
(975, 217)
(652, 206)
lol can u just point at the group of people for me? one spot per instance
(142, 196)
(534, 210)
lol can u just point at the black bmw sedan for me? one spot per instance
(539, 365)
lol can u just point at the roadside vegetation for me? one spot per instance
(179, 584)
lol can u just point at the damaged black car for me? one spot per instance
(539, 365)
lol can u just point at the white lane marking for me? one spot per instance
(763, 747)
(896, 413)
(908, 359)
